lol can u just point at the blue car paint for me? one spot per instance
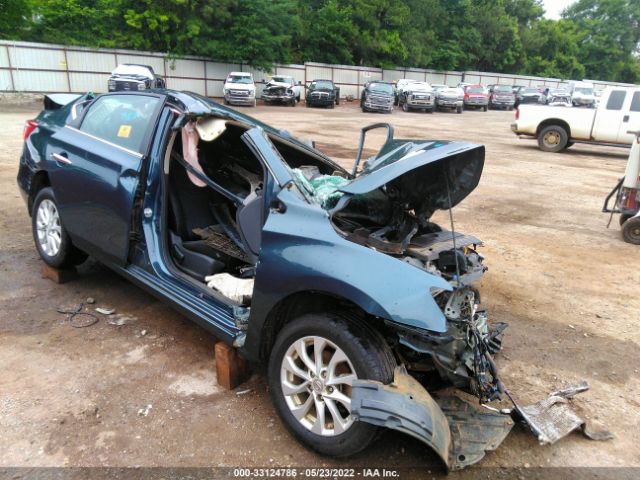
(301, 251)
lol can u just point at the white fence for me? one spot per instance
(45, 68)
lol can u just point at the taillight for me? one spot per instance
(632, 199)
(517, 114)
(29, 127)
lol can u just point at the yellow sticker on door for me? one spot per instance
(124, 131)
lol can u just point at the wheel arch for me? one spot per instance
(39, 181)
(304, 302)
(554, 121)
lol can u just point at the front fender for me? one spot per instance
(302, 252)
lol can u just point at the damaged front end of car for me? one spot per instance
(278, 93)
(388, 207)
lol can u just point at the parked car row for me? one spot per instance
(240, 89)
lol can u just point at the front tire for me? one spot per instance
(553, 138)
(313, 363)
(51, 238)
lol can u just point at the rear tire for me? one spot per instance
(51, 239)
(553, 138)
(366, 355)
(485, 108)
(458, 109)
(631, 231)
(405, 107)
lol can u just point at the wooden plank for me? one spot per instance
(231, 368)
(57, 275)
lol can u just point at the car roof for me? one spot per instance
(240, 74)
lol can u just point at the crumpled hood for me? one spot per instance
(424, 175)
(277, 84)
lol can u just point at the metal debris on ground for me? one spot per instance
(143, 412)
(553, 418)
(244, 392)
(90, 301)
(78, 318)
(105, 311)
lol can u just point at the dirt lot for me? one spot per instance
(144, 393)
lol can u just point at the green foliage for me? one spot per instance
(14, 16)
(597, 39)
(609, 37)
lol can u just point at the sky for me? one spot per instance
(555, 7)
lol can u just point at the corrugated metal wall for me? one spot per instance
(36, 67)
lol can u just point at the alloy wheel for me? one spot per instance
(316, 378)
(48, 226)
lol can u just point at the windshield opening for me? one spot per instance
(502, 89)
(475, 90)
(281, 79)
(584, 90)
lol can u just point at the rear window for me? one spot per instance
(616, 99)
(635, 102)
(123, 120)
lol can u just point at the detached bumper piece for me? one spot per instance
(456, 430)
(460, 432)
(554, 418)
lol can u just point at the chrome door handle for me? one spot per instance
(61, 159)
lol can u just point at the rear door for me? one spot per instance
(631, 118)
(609, 117)
(95, 167)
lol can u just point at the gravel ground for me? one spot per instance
(144, 393)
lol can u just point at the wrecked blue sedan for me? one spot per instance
(338, 284)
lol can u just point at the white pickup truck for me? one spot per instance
(557, 128)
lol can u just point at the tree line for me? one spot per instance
(597, 39)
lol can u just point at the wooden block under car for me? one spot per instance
(58, 275)
(231, 368)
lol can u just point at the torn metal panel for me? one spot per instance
(456, 430)
(474, 432)
(554, 418)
